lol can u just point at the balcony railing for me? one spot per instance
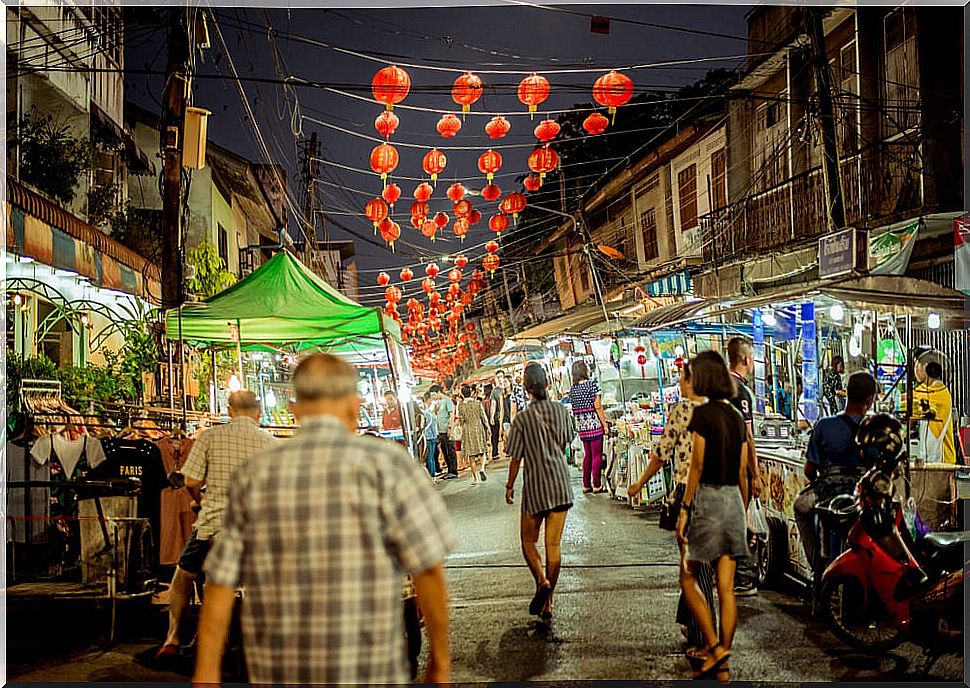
(881, 182)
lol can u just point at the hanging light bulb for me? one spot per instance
(855, 346)
(769, 319)
(933, 321)
(84, 319)
(234, 384)
(836, 312)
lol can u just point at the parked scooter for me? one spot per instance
(877, 594)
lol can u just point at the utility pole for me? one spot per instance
(309, 153)
(823, 78)
(175, 95)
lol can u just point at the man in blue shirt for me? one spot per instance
(444, 407)
(430, 435)
(833, 462)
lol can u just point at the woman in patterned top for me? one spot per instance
(584, 396)
(538, 437)
(676, 444)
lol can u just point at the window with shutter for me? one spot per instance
(687, 194)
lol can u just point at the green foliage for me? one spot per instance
(81, 385)
(211, 275)
(225, 367)
(137, 229)
(19, 369)
(101, 203)
(51, 159)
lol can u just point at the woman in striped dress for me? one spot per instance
(538, 439)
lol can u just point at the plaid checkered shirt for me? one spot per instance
(320, 532)
(214, 457)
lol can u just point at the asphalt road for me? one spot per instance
(614, 613)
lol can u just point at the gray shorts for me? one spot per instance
(717, 524)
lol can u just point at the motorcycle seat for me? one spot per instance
(945, 542)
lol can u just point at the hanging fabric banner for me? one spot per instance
(758, 335)
(889, 252)
(809, 402)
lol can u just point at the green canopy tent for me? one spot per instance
(284, 306)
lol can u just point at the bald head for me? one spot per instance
(325, 385)
(243, 403)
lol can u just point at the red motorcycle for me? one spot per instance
(885, 588)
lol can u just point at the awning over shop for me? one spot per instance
(282, 305)
(676, 284)
(668, 314)
(138, 162)
(583, 320)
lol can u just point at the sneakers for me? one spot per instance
(745, 589)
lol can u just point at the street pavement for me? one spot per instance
(614, 612)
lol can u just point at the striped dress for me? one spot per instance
(539, 437)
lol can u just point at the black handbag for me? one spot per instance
(670, 509)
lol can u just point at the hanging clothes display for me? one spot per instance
(177, 516)
(27, 525)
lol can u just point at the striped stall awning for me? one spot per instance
(677, 284)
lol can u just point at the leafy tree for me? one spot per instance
(211, 275)
(51, 159)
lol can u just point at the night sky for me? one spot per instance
(504, 38)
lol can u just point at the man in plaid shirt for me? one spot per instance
(319, 532)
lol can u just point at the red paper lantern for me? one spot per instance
(490, 263)
(478, 276)
(460, 228)
(533, 91)
(463, 208)
(489, 163)
(383, 279)
(468, 299)
(434, 163)
(390, 231)
(441, 220)
(448, 126)
(422, 192)
(384, 159)
(433, 298)
(390, 86)
(498, 224)
(497, 127)
(375, 210)
(419, 209)
(417, 221)
(432, 270)
(492, 247)
(453, 291)
(491, 192)
(392, 192)
(474, 217)
(466, 90)
(547, 130)
(612, 90)
(456, 192)
(513, 204)
(460, 261)
(543, 160)
(392, 294)
(428, 229)
(454, 275)
(532, 183)
(386, 123)
(406, 274)
(427, 284)
(595, 123)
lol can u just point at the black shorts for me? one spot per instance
(194, 554)
(554, 510)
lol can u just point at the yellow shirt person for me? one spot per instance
(933, 408)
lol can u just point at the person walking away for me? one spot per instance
(430, 436)
(321, 532)
(741, 359)
(933, 410)
(500, 412)
(454, 433)
(833, 461)
(711, 526)
(676, 445)
(474, 433)
(833, 391)
(213, 460)
(492, 454)
(587, 407)
(444, 408)
(537, 440)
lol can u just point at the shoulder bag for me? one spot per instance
(670, 509)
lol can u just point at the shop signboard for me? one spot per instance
(842, 253)
(810, 391)
(758, 335)
(665, 345)
(786, 328)
(890, 251)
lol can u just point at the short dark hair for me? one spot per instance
(436, 389)
(535, 382)
(580, 371)
(837, 361)
(466, 391)
(861, 387)
(425, 396)
(738, 348)
(711, 378)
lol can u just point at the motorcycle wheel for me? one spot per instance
(858, 619)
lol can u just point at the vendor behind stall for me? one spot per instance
(933, 410)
